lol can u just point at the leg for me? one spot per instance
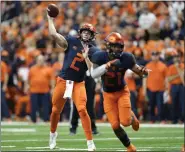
(22, 100)
(27, 98)
(4, 108)
(181, 99)
(126, 115)
(18, 107)
(113, 118)
(58, 103)
(111, 110)
(90, 91)
(74, 119)
(160, 105)
(151, 96)
(174, 97)
(34, 106)
(79, 98)
(45, 105)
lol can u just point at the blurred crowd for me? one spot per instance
(152, 31)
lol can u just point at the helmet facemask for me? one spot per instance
(115, 50)
(114, 45)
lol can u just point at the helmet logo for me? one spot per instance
(112, 39)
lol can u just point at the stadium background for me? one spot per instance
(24, 32)
(24, 35)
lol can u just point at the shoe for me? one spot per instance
(135, 123)
(72, 131)
(95, 132)
(52, 140)
(131, 148)
(91, 146)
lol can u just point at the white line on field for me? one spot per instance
(99, 139)
(37, 147)
(107, 149)
(18, 130)
(81, 133)
(98, 124)
(8, 146)
(98, 148)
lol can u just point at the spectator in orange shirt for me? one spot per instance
(40, 80)
(4, 81)
(176, 79)
(155, 85)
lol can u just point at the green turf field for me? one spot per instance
(30, 137)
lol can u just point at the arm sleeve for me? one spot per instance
(98, 71)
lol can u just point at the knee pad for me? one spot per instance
(126, 122)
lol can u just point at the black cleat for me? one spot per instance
(72, 132)
(95, 132)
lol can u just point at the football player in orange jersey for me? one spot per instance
(111, 65)
(70, 82)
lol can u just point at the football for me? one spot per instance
(53, 10)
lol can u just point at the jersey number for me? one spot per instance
(79, 58)
(112, 75)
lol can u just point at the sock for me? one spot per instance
(122, 136)
(52, 134)
(89, 142)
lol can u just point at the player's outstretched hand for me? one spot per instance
(145, 71)
(48, 17)
(85, 52)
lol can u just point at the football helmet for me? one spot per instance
(92, 32)
(114, 44)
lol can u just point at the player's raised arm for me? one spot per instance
(85, 55)
(60, 40)
(138, 69)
